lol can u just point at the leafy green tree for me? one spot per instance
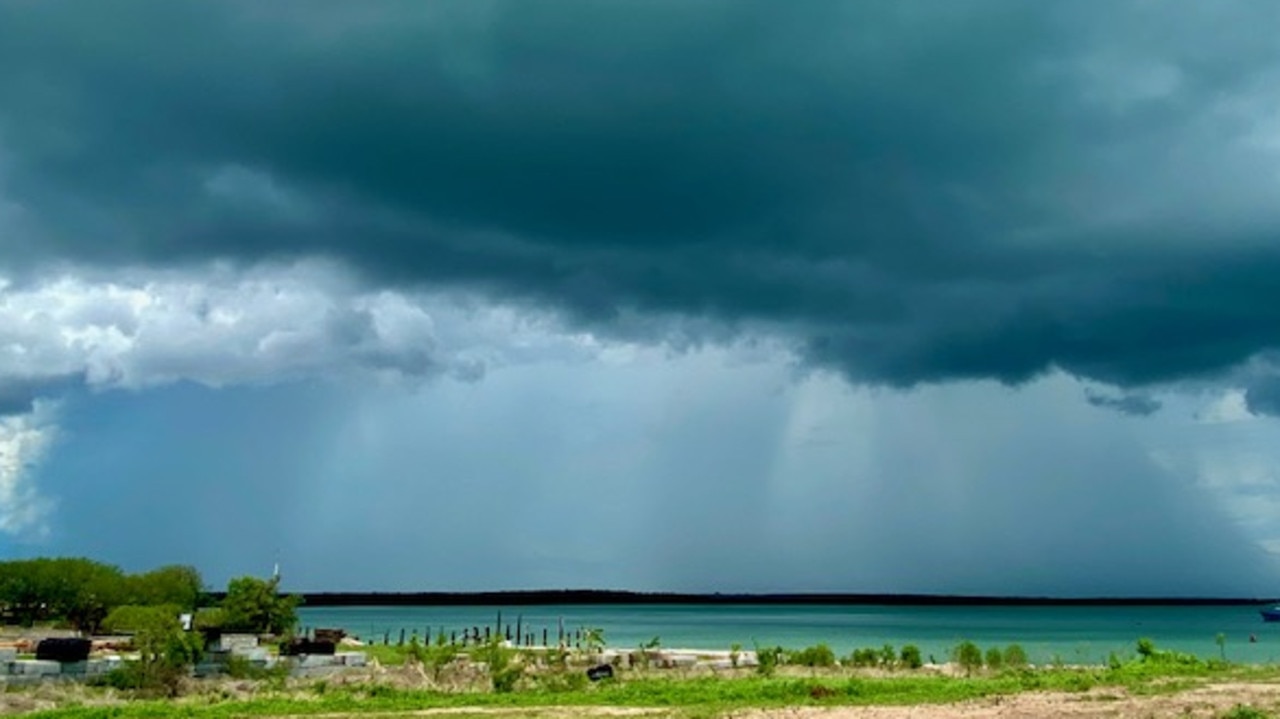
(256, 605)
(165, 651)
(177, 585)
(995, 658)
(911, 657)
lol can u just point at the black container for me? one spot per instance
(64, 649)
(306, 646)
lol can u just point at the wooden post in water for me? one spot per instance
(386, 637)
(401, 644)
(544, 636)
(519, 623)
(497, 628)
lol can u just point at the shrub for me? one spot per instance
(995, 659)
(887, 658)
(818, 655)
(768, 659)
(1015, 657)
(910, 657)
(864, 657)
(504, 672)
(968, 656)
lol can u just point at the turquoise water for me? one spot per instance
(1069, 634)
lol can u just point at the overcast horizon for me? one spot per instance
(716, 295)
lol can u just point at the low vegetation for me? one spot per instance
(497, 676)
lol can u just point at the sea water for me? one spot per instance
(1067, 634)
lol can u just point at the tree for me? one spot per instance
(255, 605)
(165, 651)
(969, 657)
(178, 585)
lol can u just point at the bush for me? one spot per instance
(968, 656)
(887, 658)
(504, 672)
(1015, 657)
(910, 657)
(995, 659)
(864, 657)
(819, 655)
(768, 659)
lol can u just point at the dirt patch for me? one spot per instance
(1206, 701)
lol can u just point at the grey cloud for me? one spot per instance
(1262, 396)
(18, 395)
(1139, 405)
(909, 191)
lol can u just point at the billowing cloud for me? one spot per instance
(221, 326)
(910, 193)
(24, 441)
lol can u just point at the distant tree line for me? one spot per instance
(90, 596)
(82, 592)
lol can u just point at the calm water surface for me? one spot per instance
(1070, 634)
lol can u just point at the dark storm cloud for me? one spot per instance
(1263, 396)
(912, 191)
(1139, 405)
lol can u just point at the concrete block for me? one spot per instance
(309, 661)
(8, 654)
(352, 659)
(75, 668)
(37, 667)
(237, 642)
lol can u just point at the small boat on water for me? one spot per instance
(1271, 614)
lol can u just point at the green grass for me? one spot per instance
(693, 697)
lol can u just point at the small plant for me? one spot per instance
(1146, 648)
(415, 653)
(995, 658)
(593, 639)
(768, 659)
(504, 671)
(438, 657)
(735, 654)
(887, 658)
(968, 656)
(910, 657)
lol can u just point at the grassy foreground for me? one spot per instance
(696, 696)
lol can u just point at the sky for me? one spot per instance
(974, 297)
